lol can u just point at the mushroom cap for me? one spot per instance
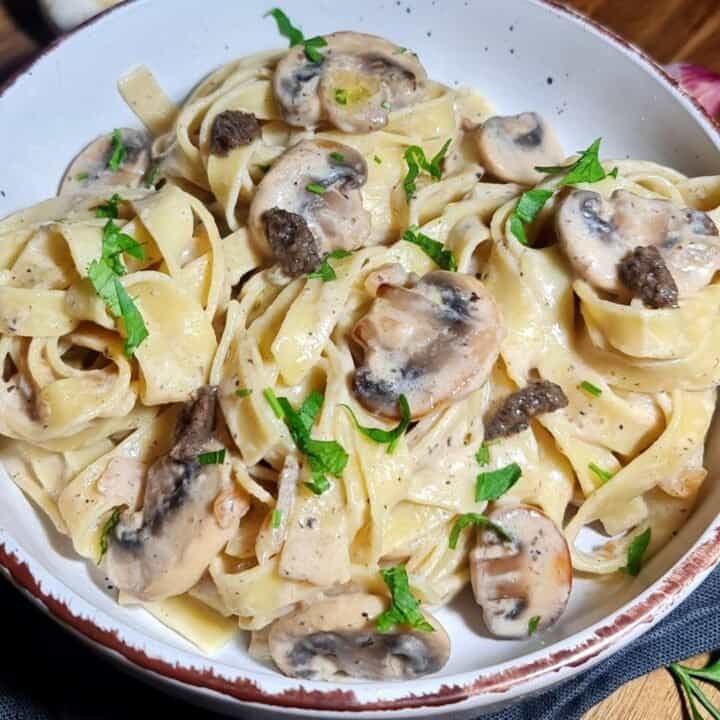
(529, 577)
(89, 170)
(372, 74)
(434, 342)
(596, 233)
(511, 147)
(331, 220)
(189, 513)
(337, 637)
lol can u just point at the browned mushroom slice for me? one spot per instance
(309, 204)
(514, 415)
(337, 637)
(91, 169)
(530, 577)
(232, 129)
(599, 234)
(511, 147)
(189, 512)
(362, 77)
(433, 342)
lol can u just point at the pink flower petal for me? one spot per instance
(701, 83)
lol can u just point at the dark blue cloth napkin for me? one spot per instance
(46, 674)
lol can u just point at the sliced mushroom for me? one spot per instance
(188, 514)
(337, 637)
(597, 234)
(434, 342)
(360, 80)
(232, 129)
(298, 225)
(514, 415)
(527, 578)
(90, 170)
(511, 147)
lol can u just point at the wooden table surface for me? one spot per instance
(670, 31)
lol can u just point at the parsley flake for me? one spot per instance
(483, 455)
(416, 161)
(243, 392)
(636, 552)
(340, 96)
(311, 49)
(109, 209)
(326, 272)
(337, 157)
(276, 518)
(529, 207)
(495, 483)
(119, 151)
(586, 169)
(107, 528)
(404, 606)
(286, 28)
(478, 521)
(533, 625)
(604, 475)
(590, 389)
(432, 248)
(389, 437)
(216, 457)
(316, 188)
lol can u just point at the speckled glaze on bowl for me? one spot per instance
(524, 55)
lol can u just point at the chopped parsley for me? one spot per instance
(416, 161)
(316, 188)
(119, 151)
(295, 36)
(636, 552)
(216, 457)
(104, 275)
(483, 455)
(432, 248)
(404, 606)
(337, 157)
(533, 624)
(589, 388)
(478, 521)
(400, 51)
(325, 457)
(378, 160)
(529, 207)
(243, 392)
(604, 475)
(586, 169)
(495, 483)
(109, 209)
(326, 272)
(82, 176)
(341, 96)
(151, 175)
(276, 518)
(385, 105)
(107, 528)
(389, 437)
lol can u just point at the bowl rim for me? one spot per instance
(497, 684)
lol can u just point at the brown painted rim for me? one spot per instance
(595, 643)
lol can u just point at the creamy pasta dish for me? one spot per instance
(330, 342)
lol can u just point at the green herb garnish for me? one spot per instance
(276, 518)
(586, 169)
(286, 28)
(529, 207)
(636, 551)
(478, 521)
(341, 96)
(432, 248)
(483, 455)
(416, 161)
(378, 160)
(82, 176)
(119, 151)
(243, 392)
(109, 209)
(326, 272)
(604, 475)
(389, 437)
(337, 157)
(491, 485)
(216, 457)
(325, 457)
(107, 528)
(316, 188)
(686, 677)
(404, 606)
(151, 175)
(311, 49)
(533, 625)
(104, 275)
(589, 388)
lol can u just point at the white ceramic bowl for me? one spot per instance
(524, 55)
